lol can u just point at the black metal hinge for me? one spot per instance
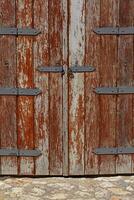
(114, 30)
(115, 90)
(19, 31)
(51, 69)
(114, 151)
(21, 152)
(20, 91)
(81, 69)
(59, 69)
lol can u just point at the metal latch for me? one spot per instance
(21, 152)
(115, 90)
(52, 69)
(20, 91)
(19, 31)
(114, 30)
(71, 70)
(114, 151)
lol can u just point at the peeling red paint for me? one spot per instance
(67, 120)
(8, 132)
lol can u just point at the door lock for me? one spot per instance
(71, 70)
(70, 73)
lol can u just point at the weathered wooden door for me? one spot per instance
(101, 125)
(99, 122)
(31, 122)
(66, 104)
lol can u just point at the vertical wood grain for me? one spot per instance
(108, 66)
(25, 80)
(55, 86)
(92, 110)
(133, 85)
(8, 134)
(65, 89)
(76, 87)
(125, 78)
(41, 58)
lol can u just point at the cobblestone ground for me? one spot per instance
(103, 188)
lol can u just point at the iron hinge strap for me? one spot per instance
(20, 91)
(114, 151)
(114, 30)
(115, 90)
(59, 69)
(51, 69)
(19, 31)
(21, 152)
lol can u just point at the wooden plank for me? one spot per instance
(8, 135)
(132, 140)
(76, 87)
(92, 109)
(125, 78)
(41, 58)
(65, 88)
(109, 17)
(55, 87)
(25, 110)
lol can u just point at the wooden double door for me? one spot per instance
(72, 127)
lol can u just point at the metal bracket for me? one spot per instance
(20, 91)
(114, 151)
(17, 152)
(115, 90)
(19, 31)
(114, 30)
(59, 69)
(81, 69)
(126, 30)
(53, 69)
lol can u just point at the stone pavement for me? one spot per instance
(103, 188)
